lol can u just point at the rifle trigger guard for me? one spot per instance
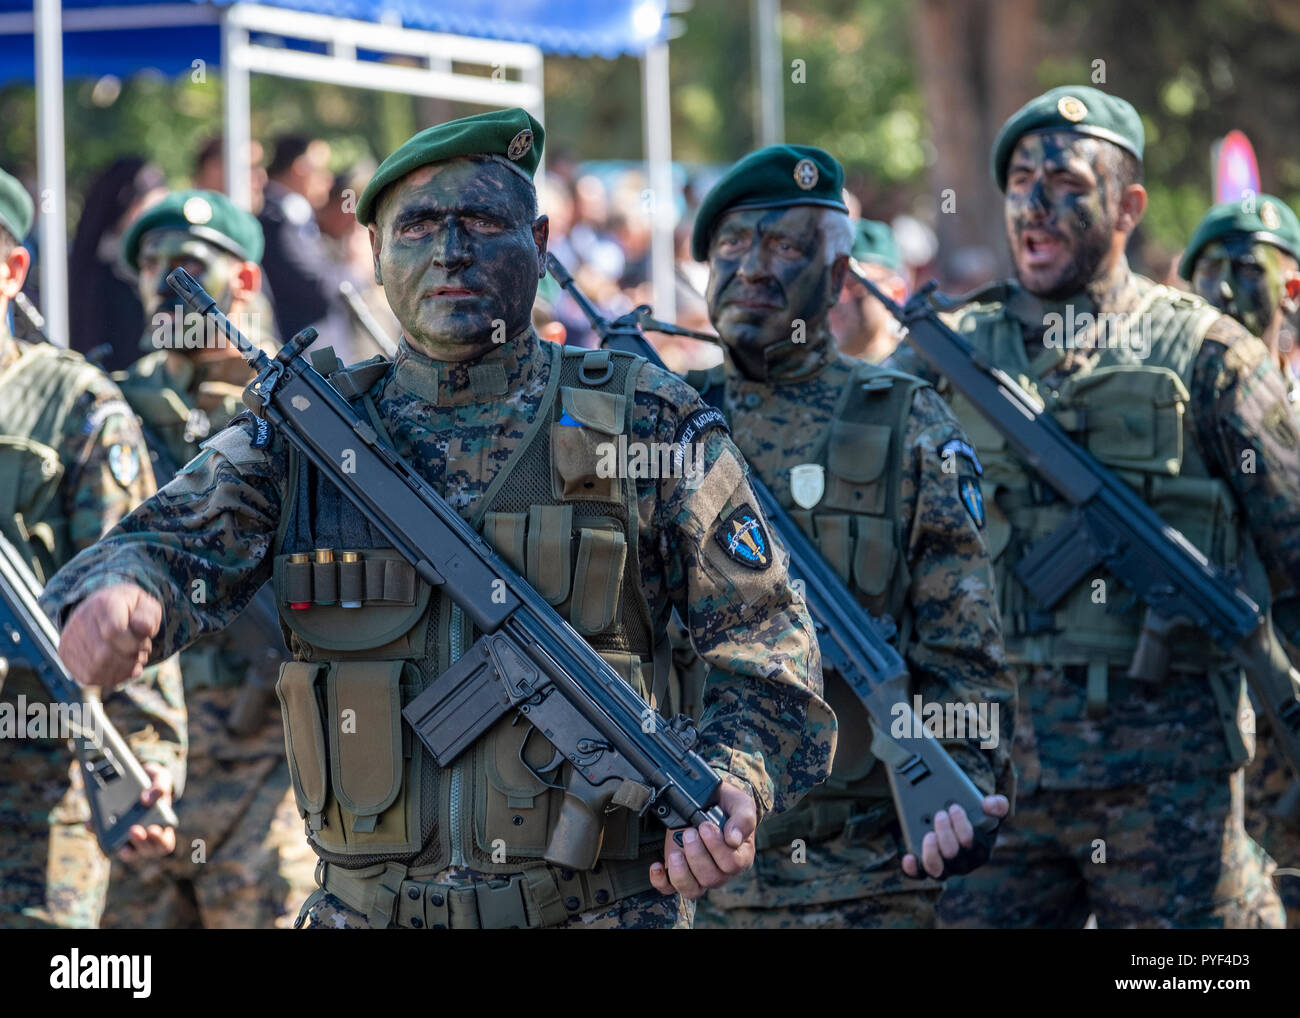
(540, 772)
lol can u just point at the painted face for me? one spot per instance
(459, 255)
(1243, 278)
(1060, 212)
(767, 270)
(164, 250)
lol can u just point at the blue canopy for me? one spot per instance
(604, 28)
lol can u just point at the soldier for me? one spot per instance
(1242, 258)
(862, 326)
(1130, 788)
(511, 430)
(243, 864)
(72, 463)
(873, 466)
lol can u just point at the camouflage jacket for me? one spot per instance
(105, 473)
(763, 718)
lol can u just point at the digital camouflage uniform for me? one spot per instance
(915, 553)
(1130, 790)
(528, 411)
(241, 861)
(72, 463)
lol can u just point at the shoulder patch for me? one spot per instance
(262, 437)
(742, 537)
(702, 420)
(972, 498)
(104, 411)
(954, 447)
(124, 463)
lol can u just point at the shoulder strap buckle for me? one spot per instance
(597, 367)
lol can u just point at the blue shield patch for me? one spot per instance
(972, 498)
(743, 538)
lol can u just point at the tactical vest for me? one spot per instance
(855, 526)
(369, 792)
(39, 391)
(1133, 415)
(172, 422)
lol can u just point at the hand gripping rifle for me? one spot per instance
(112, 776)
(923, 778)
(528, 661)
(1109, 527)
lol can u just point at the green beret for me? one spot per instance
(1263, 217)
(208, 215)
(511, 135)
(1076, 108)
(16, 210)
(874, 242)
(770, 178)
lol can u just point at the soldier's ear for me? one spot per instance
(246, 280)
(1132, 206)
(1291, 290)
(376, 246)
(13, 271)
(541, 234)
(839, 273)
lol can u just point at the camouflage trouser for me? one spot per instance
(51, 875)
(649, 910)
(830, 884)
(242, 860)
(1267, 781)
(1167, 855)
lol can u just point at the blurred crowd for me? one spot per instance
(318, 268)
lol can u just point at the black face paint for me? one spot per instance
(770, 282)
(458, 256)
(1060, 213)
(1243, 278)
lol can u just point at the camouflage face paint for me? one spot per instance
(164, 250)
(1060, 211)
(768, 271)
(1243, 278)
(459, 256)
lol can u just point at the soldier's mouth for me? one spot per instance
(452, 292)
(1039, 247)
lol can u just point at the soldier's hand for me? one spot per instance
(955, 843)
(108, 637)
(708, 857)
(152, 841)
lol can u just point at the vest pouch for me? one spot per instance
(374, 778)
(388, 625)
(855, 462)
(597, 579)
(875, 554)
(1131, 416)
(519, 810)
(1203, 510)
(304, 738)
(585, 454)
(835, 542)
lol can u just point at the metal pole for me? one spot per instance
(771, 75)
(237, 131)
(659, 173)
(51, 203)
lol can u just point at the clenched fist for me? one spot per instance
(109, 636)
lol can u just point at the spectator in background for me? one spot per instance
(210, 171)
(860, 323)
(304, 279)
(589, 236)
(105, 316)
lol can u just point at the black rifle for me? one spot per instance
(112, 776)
(923, 778)
(528, 660)
(1109, 526)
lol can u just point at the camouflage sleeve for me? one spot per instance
(107, 474)
(763, 719)
(1249, 438)
(199, 545)
(955, 651)
(106, 463)
(908, 359)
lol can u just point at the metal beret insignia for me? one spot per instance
(520, 144)
(806, 174)
(1071, 109)
(197, 210)
(1268, 215)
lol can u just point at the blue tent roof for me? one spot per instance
(605, 28)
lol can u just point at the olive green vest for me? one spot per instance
(855, 526)
(1133, 415)
(369, 792)
(37, 393)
